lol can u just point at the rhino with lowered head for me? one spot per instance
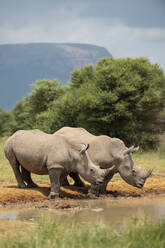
(40, 153)
(108, 152)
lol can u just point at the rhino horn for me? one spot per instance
(148, 173)
(109, 170)
(85, 147)
(131, 150)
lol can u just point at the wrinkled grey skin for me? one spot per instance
(40, 153)
(109, 152)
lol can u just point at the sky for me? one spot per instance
(127, 28)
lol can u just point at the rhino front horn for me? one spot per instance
(148, 173)
(109, 170)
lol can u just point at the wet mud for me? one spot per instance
(11, 196)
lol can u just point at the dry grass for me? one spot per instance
(16, 227)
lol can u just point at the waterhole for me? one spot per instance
(102, 212)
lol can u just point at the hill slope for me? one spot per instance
(23, 64)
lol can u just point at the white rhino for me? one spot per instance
(108, 152)
(40, 153)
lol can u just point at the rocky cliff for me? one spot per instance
(23, 64)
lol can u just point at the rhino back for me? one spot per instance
(37, 151)
(103, 150)
(30, 149)
(77, 134)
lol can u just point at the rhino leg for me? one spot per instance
(27, 178)
(77, 181)
(103, 186)
(19, 178)
(54, 175)
(64, 182)
(94, 191)
(15, 166)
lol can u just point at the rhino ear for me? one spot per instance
(131, 150)
(84, 148)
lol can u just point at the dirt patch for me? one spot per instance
(11, 196)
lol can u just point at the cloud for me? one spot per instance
(125, 31)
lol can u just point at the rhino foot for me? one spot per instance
(22, 186)
(102, 190)
(32, 185)
(53, 195)
(94, 190)
(92, 196)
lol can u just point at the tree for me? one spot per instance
(26, 111)
(121, 98)
(44, 92)
(6, 122)
(62, 112)
(22, 112)
(118, 97)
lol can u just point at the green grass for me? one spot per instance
(6, 174)
(146, 160)
(150, 159)
(48, 233)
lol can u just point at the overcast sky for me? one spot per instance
(127, 28)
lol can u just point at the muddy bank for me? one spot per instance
(11, 196)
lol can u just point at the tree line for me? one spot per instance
(118, 97)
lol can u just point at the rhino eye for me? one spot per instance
(134, 172)
(91, 170)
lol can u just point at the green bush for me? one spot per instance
(121, 98)
(7, 122)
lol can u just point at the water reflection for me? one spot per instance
(100, 212)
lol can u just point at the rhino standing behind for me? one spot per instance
(108, 152)
(41, 153)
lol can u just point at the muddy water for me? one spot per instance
(99, 212)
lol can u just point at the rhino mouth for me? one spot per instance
(140, 185)
(98, 182)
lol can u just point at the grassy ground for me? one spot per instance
(47, 233)
(150, 159)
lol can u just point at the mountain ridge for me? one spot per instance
(21, 64)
